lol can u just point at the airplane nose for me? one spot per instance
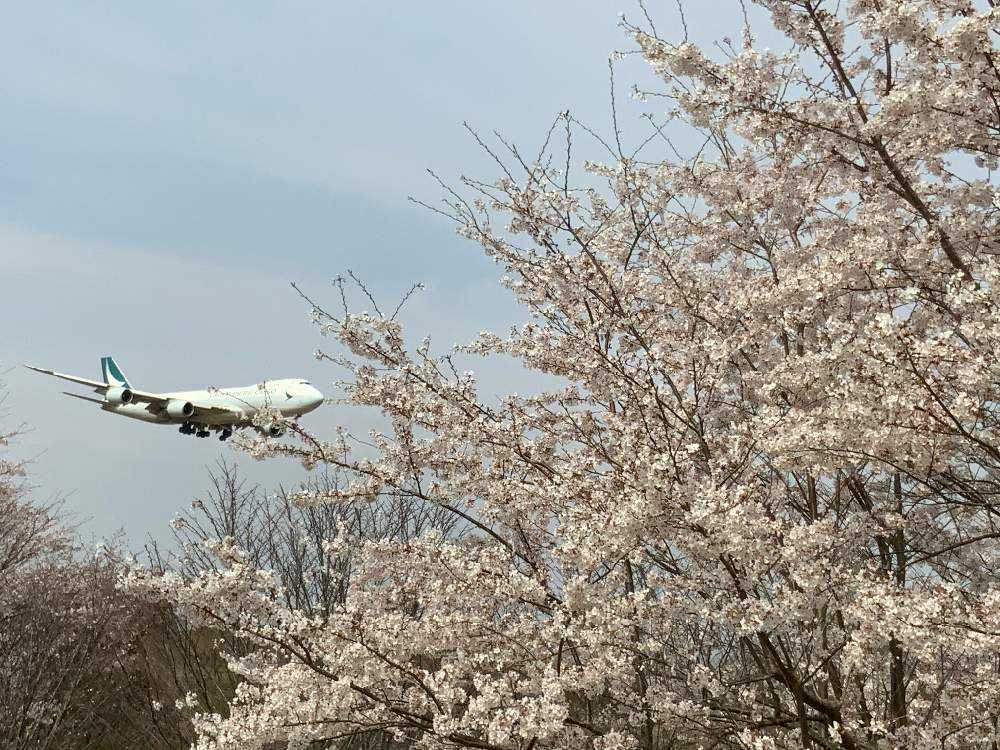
(314, 399)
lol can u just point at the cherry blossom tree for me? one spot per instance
(67, 673)
(178, 657)
(29, 531)
(760, 509)
(67, 633)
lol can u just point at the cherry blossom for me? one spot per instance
(758, 507)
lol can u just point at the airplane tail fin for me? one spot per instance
(112, 372)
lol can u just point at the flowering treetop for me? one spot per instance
(761, 512)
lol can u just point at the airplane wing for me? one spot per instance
(85, 398)
(97, 385)
(100, 387)
(155, 400)
(212, 411)
(149, 398)
(158, 402)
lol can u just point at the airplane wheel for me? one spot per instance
(203, 433)
(225, 434)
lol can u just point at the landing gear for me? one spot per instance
(273, 430)
(202, 430)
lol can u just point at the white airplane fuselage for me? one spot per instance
(290, 397)
(198, 412)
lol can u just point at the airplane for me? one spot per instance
(197, 412)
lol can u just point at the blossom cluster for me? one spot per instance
(760, 511)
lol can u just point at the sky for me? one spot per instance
(167, 169)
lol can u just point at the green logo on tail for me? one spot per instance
(112, 373)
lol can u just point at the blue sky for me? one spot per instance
(167, 169)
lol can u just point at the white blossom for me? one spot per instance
(759, 497)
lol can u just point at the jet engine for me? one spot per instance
(177, 409)
(119, 395)
(274, 429)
